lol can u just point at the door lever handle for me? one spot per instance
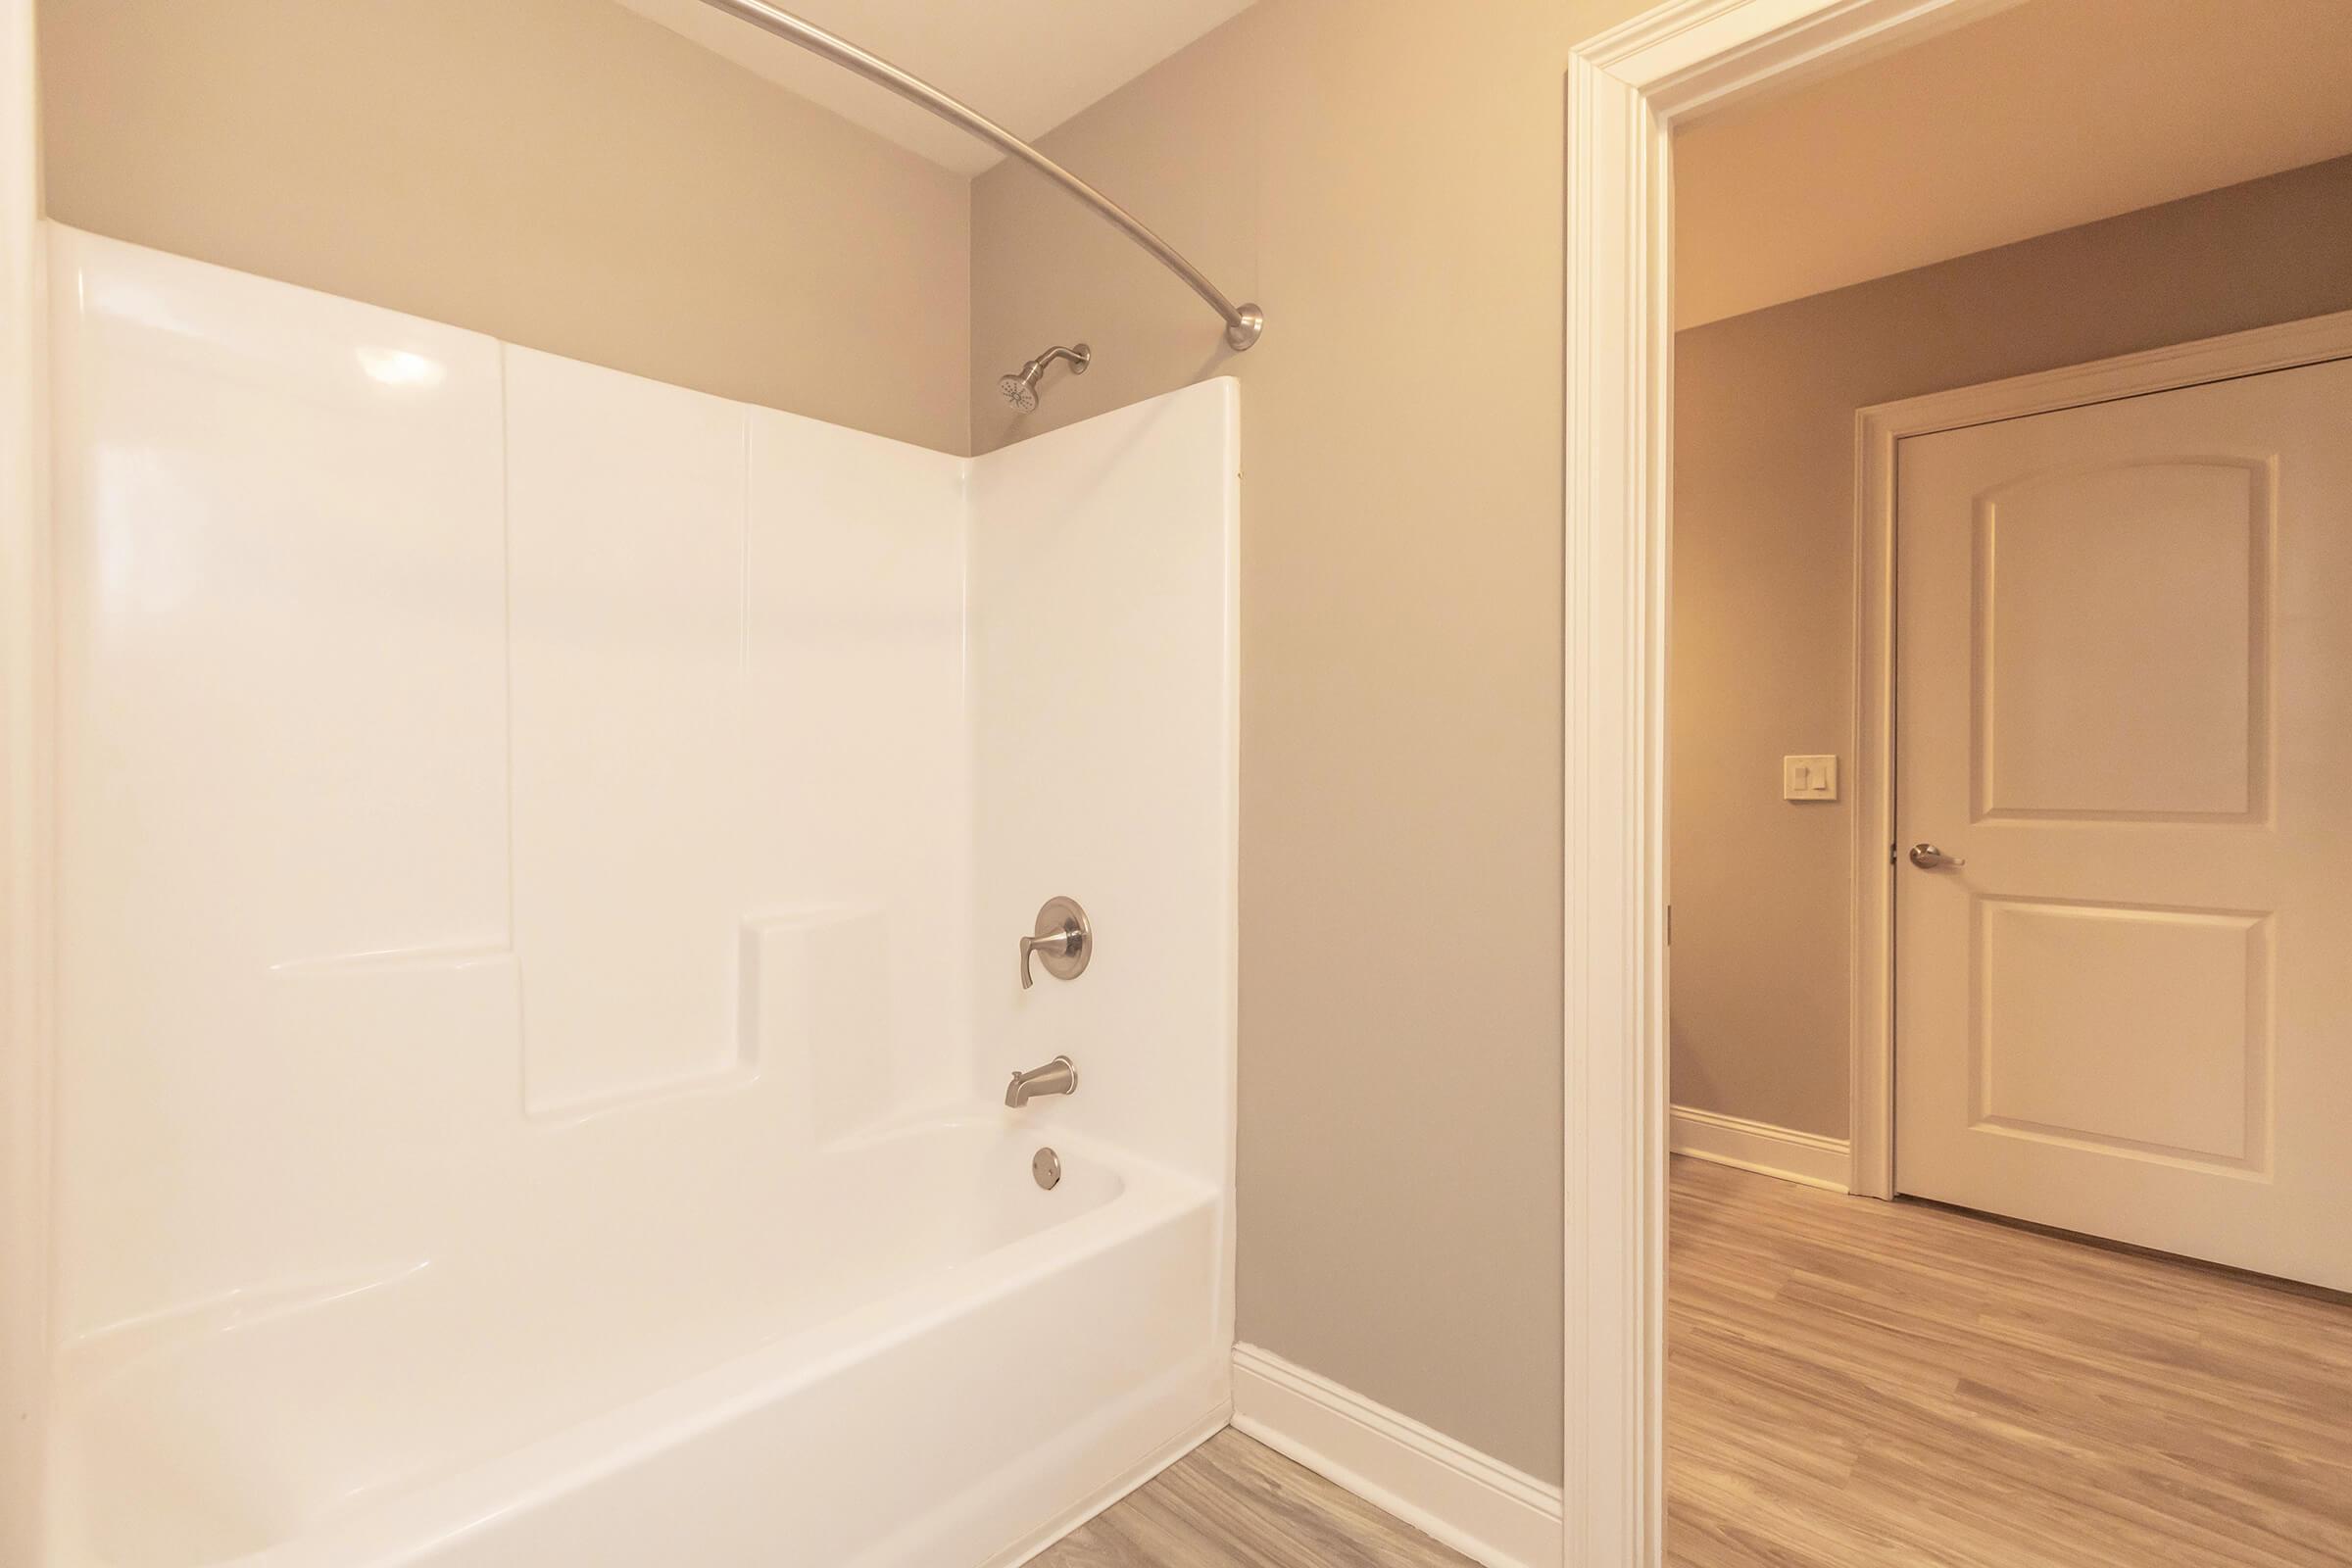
(1927, 857)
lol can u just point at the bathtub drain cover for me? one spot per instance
(1045, 1166)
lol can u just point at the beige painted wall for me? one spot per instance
(560, 173)
(1386, 178)
(1763, 562)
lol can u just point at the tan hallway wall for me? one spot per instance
(560, 173)
(1387, 177)
(1763, 565)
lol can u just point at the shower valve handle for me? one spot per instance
(1054, 946)
(1062, 938)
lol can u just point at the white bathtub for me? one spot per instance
(976, 1364)
(540, 859)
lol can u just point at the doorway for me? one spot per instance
(1631, 92)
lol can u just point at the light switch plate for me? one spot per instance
(1808, 778)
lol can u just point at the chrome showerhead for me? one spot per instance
(1020, 388)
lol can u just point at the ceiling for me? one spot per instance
(1029, 64)
(2053, 113)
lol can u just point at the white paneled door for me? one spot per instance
(2124, 717)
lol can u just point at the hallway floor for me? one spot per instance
(1854, 1384)
(1861, 1384)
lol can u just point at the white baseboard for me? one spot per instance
(1480, 1506)
(1760, 1146)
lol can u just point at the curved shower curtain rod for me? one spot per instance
(1243, 323)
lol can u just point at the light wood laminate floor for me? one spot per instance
(1854, 1384)
(1236, 1503)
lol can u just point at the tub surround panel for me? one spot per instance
(282, 770)
(1103, 657)
(737, 650)
(817, 1014)
(543, 855)
(625, 523)
(400, 684)
(853, 721)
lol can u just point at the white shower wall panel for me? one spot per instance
(854, 732)
(625, 543)
(1104, 644)
(281, 773)
(451, 736)
(737, 666)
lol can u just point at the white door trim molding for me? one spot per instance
(24, 804)
(1767, 1149)
(1876, 430)
(1482, 1509)
(1626, 88)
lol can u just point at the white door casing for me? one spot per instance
(2124, 680)
(26, 705)
(1627, 87)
